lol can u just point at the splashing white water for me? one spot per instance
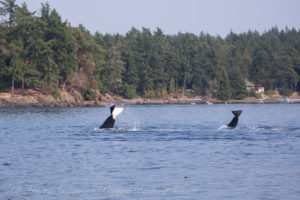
(223, 127)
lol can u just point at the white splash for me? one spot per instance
(223, 127)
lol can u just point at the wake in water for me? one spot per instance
(116, 130)
(150, 130)
(223, 127)
(271, 128)
(247, 128)
(260, 128)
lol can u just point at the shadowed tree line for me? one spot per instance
(43, 52)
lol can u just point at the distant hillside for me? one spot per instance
(43, 52)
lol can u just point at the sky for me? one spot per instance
(216, 17)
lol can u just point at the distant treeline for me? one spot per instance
(42, 51)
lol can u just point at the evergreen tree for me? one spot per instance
(115, 68)
(42, 51)
(223, 89)
(237, 83)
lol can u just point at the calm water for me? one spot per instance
(154, 152)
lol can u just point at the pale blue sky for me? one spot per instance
(216, 17)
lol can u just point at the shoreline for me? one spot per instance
(33, 98)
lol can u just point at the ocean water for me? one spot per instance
(154, 152)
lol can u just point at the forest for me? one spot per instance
(38, 50)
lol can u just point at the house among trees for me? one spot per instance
(249, 85)
(258, 88)
(43, 51)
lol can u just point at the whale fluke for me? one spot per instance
(110, 121)
(235, 119)
(236, 112)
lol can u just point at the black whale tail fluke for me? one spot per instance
(237, 113)
(110, 121)
(235, 119)
(112, 109)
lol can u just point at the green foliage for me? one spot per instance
(53, 90)
(252, 93)
(270, 92)
(114, 68)
(286, 92)
(238, 84)
(161, 92)
(190, 95)
(129, 91)
(149, 94)
(223, 90)
(88, 94)
(171, 86)
(45, 52)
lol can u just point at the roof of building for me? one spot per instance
(249, 84)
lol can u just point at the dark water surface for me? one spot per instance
(154, 152)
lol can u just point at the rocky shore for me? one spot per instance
(72, 98)
(35, 98)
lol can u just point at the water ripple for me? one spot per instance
(154, 152)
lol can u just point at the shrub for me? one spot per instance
(129, 91)
(161, 92)
(53, 90)
(88, 94)
(190, 94)
(239, 93)
(171, 86)
(252, 93)
(149, 94)
(270, 92)
(286, 92)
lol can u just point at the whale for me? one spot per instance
(235, 119)
(110, 121)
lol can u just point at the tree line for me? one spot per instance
(42, 51)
